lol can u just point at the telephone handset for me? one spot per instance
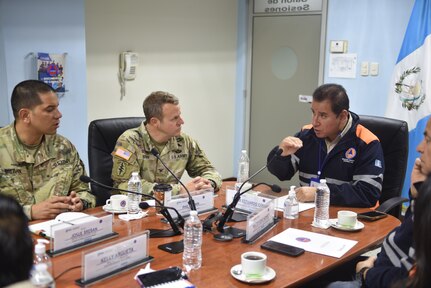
(128, 65)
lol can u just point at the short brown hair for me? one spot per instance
(153, 104)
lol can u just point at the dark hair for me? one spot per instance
(422, 236)
(26, 95)
(336, 94)
(153, 104)
(16, 245)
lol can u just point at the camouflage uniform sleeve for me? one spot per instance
(81, 188)
(199, 165)
(127, 158)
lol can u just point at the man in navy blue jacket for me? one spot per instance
(336, 148)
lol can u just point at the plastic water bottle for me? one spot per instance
(133, 200)
(291, 205)
(321, 211)
(41, 278)
(243, 171)
(192, 255)
(41, 274)
(243, 167)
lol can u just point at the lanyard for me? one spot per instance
(320, 164)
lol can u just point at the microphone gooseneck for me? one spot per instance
(229, 210)
(181, 220)
(191, 202)
(163, 210)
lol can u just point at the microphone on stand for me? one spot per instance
(191, 202)
(233, 232)
(154, 233)
(180, 222)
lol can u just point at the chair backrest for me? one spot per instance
(102, 136)
(394, 138)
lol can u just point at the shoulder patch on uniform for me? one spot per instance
(121, 169)
(365, 135)
(123, 153)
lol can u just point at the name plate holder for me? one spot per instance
(249, 202)
(114, 257)
(204, 200)
(260, 222)
(80, 232)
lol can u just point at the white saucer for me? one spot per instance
(109, 209)
(358, 225)
(268, 276)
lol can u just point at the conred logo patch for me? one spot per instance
(350, 153)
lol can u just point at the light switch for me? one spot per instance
(364, 69)
(374, 68)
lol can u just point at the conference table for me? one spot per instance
(219, 257)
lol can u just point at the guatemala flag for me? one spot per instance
(409, 98)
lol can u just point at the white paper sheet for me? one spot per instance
(315, 242)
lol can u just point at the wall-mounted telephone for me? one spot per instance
(128, 65)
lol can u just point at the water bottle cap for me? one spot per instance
(39, 248)
(243, 151)
(322, 180)
(135, 173)
(193, 213)
(292, 188)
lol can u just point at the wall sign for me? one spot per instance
(287, 6)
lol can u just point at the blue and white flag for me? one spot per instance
(409, 98)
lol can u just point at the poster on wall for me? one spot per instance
(50, 69)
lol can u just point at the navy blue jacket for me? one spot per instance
(353, 169)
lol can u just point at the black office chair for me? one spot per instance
(102, 136)
(394, 138)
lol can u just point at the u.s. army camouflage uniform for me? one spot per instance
(54, 170)
(133, 153)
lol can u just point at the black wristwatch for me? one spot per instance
(361, 275)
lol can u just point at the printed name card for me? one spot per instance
(73, 233)
(204, 200)
(114, 257)
(251, 201)
(260, 221)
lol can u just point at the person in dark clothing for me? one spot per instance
(336, 147)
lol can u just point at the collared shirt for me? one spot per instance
(34, 177)
(329, 144)
(181, 153)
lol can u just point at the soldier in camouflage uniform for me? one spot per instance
(38, 167)
(162, 130)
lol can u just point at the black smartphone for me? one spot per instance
(173, 247)
(160, 277)
(282, 248)
(372, 215)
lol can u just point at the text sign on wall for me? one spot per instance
(287, 6)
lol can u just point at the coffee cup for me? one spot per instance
(253, 264)
(347, 218)
(117, 202)
(159, 191)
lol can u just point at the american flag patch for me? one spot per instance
(123, 153)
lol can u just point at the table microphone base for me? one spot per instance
(229, 233)
(160, 233)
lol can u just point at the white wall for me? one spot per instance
(187, 48)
